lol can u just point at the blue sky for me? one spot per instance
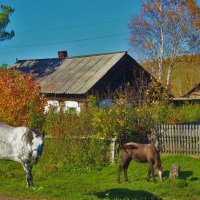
(44, 27)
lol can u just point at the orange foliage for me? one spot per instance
(19, 98)
(194, 11)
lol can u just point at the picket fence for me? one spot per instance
(180, 139)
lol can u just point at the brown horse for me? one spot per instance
(142, 153)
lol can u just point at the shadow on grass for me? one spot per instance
(122, 193)
(184, 175)
(194, 179)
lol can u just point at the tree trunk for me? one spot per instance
(169, 75)
(162, 39)
(160, 71)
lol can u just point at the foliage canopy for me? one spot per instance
(166, 29)
(4, 21)
(20, 100)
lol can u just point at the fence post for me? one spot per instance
(113, 149)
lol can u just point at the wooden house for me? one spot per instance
(194, 92)
(192, 96)
(75, 78)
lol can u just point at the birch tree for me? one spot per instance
(165, 29)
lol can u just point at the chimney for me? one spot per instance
(62, 54)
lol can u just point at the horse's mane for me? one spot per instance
(38, 133)
(29, 134)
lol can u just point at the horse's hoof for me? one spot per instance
(30, 186)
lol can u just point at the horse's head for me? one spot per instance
(159, 169)
(37, 145)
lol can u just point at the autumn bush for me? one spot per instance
(82, 141)
(20, 100)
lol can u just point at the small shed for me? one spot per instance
(192, 96)
(194, 92)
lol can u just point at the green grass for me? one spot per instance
(102, 184)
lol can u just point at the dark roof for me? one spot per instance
(39, 67)
(71, 75)
(195, 92)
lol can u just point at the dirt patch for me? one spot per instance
(14, 198)
(11, 198)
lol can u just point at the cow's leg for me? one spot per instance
(28, 169)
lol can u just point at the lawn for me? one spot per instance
(101, 184)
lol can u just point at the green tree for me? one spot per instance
(4, 66)
(5, 13)
(166, 29)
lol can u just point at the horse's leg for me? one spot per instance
(125, 168)
(149, 172)
(119, 171)
(28, 169)
(124, 165)
(151, 166)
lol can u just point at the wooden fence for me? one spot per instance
(173, 139)
(180, 139)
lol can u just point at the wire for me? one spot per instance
(70, 27)
(70, 41)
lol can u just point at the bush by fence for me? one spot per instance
(120, 121)
(72, 154)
